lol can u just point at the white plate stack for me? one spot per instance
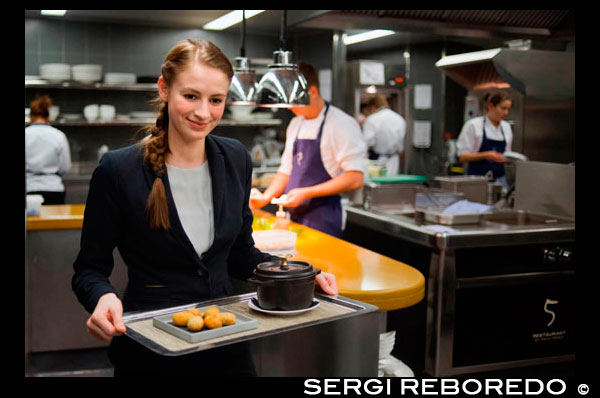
(115, 78)
(87, 73)
(55, 73)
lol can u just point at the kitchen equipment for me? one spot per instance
(107, 112)
(284, 285)
(86, 73)
(55, 72)
(91, 112)
(242, 323)
(253, 303)
(34, 204)
(54, 112)
(397, 195)
(494, 192)
(438, 217)
(475, 188)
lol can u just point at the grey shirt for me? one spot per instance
(192, 193)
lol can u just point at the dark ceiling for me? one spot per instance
(546, 28)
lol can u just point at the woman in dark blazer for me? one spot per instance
(131, 205)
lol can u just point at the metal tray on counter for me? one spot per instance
(437, 217)
(140, 324)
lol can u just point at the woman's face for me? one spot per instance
(500, 111)
(196, 101)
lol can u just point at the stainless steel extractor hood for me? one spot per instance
(530, 72)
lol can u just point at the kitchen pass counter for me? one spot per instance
(361, 274)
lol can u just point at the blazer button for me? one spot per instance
(200, 272)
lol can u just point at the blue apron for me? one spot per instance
(322, 213)
(482, 167)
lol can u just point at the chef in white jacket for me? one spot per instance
(384, 131)
(47, 154)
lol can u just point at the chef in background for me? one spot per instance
(384, 131)
(47, 154)
(483, 140)
(324, 156)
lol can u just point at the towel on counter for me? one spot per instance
(467, 207)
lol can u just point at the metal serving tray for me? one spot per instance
(140, 324)
(242, 323)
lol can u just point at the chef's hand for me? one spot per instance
(107, 318)
(326, 282)
(495, 156)
(257, 199)
(296, 196)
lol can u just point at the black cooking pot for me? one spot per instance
(284, 285)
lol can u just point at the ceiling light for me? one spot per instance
(370, 35)
(283, 86)
(230, 19)
(56, 13)
(242, 90)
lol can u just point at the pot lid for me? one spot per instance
(282, 268)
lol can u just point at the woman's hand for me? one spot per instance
(107, 319)
(326, 282)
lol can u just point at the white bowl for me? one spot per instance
(91, 112)
(240, 112)
(107, 112)
(55, 72)
(120, 78)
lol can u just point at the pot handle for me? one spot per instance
(258, 282)
(317, 271)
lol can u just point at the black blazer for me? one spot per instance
(163, 267)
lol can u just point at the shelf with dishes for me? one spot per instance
(33, 83)
(80, 121)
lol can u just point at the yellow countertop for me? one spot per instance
(57, 217)
(361, 274)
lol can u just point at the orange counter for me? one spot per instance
(57, 217)
(361, 274)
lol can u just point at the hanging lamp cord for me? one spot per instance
(243, 46)
(283, 28)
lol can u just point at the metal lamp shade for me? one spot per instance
(283, 85)
(242, 90)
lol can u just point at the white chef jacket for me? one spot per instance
(471, 135)
(343, 147)
(47, 155)
(384, 131)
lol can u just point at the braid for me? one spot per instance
(157, 147)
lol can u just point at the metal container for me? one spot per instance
(398, 196)
(438, 217)
(284, 285)
(475, 188)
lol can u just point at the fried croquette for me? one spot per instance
(195, 324)
(181, 318)
(195, 311)
(211, 311)
(227, 318)
(212, 322)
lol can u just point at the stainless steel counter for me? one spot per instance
(503, 228)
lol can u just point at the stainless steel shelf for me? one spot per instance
(143, 122)
(95, 86)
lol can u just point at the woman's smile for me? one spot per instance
(197, 125)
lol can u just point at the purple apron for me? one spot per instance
(322, 213)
